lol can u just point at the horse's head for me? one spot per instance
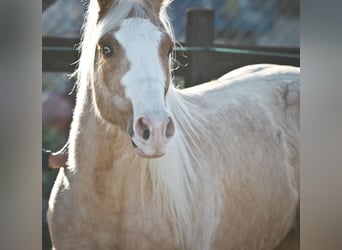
(132, 73)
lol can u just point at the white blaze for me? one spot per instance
(145, 80)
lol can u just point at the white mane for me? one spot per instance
(174, 179)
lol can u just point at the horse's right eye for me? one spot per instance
(106, 50)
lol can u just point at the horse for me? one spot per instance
(153, 166)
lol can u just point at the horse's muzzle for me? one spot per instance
(151, 135)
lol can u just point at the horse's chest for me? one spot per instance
(128, 223)
(133, 230)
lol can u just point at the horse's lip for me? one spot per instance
(141, 153)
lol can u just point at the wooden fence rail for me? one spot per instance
(201, 59)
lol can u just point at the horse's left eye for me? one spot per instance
(106, 50)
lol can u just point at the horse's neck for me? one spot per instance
(94, 144)
(104, 158)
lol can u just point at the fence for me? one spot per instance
(201, 59)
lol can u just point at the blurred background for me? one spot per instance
(237, 22)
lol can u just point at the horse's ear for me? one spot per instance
(104, 5)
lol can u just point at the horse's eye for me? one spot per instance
(106, 50)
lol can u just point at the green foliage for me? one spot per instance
(53, 139)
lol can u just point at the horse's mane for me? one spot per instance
(173, 178)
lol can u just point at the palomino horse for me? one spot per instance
(153, 167)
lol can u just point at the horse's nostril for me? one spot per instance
(170, 128)
(146, 134)
(142, 128)
(158, 128)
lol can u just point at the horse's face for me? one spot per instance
(132, 82)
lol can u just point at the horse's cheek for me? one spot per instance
(113, 108)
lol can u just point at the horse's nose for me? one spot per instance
(159, 129)
(151, 134)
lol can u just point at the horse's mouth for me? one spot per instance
(141, 153)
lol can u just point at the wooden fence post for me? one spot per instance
(199, 33)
